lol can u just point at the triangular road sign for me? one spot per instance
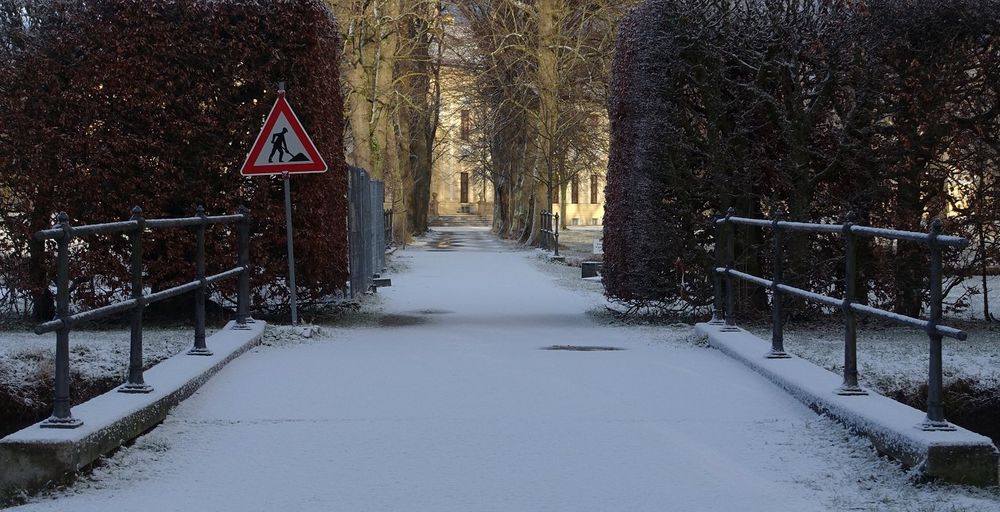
(283, 145)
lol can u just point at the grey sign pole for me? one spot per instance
(285, 177)
(291, 247)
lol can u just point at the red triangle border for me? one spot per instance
(281, 106)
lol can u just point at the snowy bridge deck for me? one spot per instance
(457, 408)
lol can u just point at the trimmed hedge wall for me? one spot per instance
(889, 109)
(108, 104)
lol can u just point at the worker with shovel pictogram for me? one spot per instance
(278, 145)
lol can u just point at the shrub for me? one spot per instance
(114, 103)
(882, 107)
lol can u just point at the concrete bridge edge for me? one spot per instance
(34, 458)
(958, 456)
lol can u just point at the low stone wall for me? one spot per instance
(34, 456)
(958, 456)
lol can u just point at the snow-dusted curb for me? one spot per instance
(958, 456)
(34, 456)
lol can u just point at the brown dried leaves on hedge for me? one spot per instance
(881, 107)
(115, 103)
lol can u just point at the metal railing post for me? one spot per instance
(716, 276)
(353, 242)
(777, 308)
(555, 232)
(541, 218)
(200, 349)
(136, 383)
(290, 248)
(730, 280)
(935, 385)
(62, 416)
(850, 386)
(243, 289)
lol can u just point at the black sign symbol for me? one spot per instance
(279, 146)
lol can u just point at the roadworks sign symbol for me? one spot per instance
(283, 145)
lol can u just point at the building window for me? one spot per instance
(465, 187)
(466, 124)
(574, 222)
(574, 191)
(593, 221)
(593, 189)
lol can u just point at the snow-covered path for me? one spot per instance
(457, 409)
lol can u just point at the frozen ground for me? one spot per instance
(26, 359)
(451, 405)
(975, 308)
(577, 243)
(893, 358)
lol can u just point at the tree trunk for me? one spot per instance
(562, 206)
(548, 100)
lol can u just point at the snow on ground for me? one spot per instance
(451, 404)
(892, 358)
(576, 243)
(975, 308)
(27, 360)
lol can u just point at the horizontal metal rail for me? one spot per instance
(127, 226)
(186, 222)
(894, 234)
(91, 229)
(127, 305)
(724, 307)
(864, 309)
(64, 233)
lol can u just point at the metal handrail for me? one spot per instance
(64, 233)
(893, 234)
(935, 241)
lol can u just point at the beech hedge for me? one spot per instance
(889, 109)
(108, 104)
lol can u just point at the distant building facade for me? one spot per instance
(457, 183)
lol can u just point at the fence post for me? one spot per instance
(541, 218)
(935, 410)
(777, 307)
(200, 349)
(243, 290)
(136, 383)
(850, 386)
(716, 276)
(555, 232)
(353, 237)
(62, 416)
(730, 280)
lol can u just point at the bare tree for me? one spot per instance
(541, 69)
